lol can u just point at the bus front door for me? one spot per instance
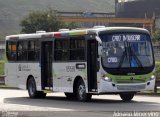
(92, 65)
(46, 64)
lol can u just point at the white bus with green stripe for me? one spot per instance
(81, 63)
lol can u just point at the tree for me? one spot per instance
(43, 20)
(156, 36)
(71, 25)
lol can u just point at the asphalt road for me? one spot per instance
(58, 105)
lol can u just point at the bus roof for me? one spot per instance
(75, 32)
(121, 29)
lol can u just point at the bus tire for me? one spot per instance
(32, 91)
(127, 96)
(81, 92)
(70, 95)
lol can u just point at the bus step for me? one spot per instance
(48, 88)
(93, 92)
(48, 91)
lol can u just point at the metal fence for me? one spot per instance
(156, 49)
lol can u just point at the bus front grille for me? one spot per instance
(131, 87)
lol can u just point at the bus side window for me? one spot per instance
(61, 50)
(77, 48)
(20, 51)
(31, 54)
(25, 50)
(11, 51)
(57, 50)
(37, 50)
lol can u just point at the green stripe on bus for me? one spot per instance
(128, 79)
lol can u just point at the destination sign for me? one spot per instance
(126, 37)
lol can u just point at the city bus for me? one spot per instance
(82, 62)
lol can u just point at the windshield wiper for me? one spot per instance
(132, 54)
(123, 57)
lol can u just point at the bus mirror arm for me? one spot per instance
(100, 46)
(100, 50)
(99, 40)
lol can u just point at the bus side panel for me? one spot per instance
(29, 69)
(11, 75)
(18, 73)
(36, 71)
(64, 75)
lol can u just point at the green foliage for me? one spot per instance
(1, 68)
(41, 20)
(156, 36)
(44, 20)
(71, 25)
(157, 70)
(12, 11)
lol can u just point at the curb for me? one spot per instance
(148, 94)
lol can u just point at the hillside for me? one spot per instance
(12, 11)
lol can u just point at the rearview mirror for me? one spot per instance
(98, 39)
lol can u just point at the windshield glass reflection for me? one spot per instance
(126, 50)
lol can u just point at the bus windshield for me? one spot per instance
(126, 50)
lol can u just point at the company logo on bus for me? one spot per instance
(131, 78)
(23, 67)
(131, 74)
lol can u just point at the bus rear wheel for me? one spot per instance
(32, 91)
(127, 96)
(81, 92)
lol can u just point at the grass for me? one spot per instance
(151, 92)
(7, 87)
(1, 68)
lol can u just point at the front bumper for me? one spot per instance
(108, 87)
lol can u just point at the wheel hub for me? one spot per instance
(81, 90)
(32, 88)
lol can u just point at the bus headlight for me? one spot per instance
(153, 77)
(108, 79)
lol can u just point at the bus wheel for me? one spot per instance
(81, 92)
(32, 91)
(127, 96)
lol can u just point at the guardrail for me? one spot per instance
(157, 85)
